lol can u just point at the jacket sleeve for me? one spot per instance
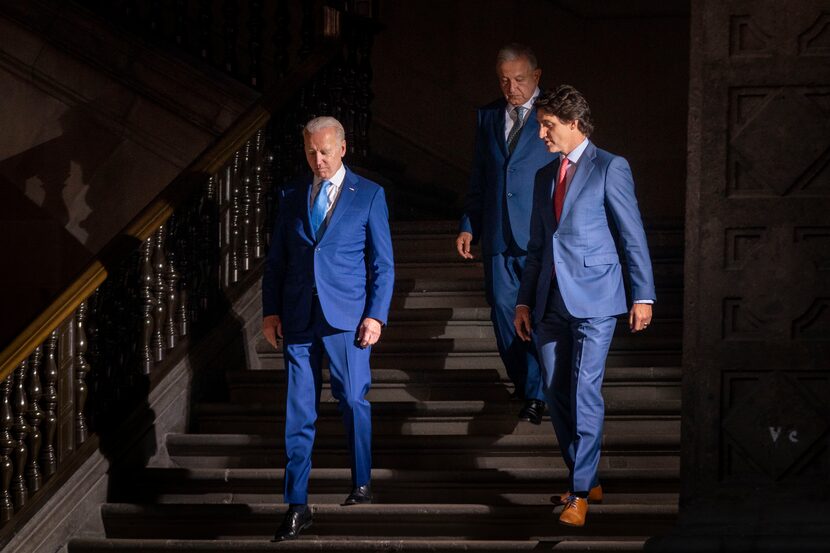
(380, 265)
(473, 203)
(273, 275)
(535, 244)
(622, 205)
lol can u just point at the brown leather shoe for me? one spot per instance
(574, 512)
(594, 496)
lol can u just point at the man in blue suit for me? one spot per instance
(497, 211)
(573, 282)
(326, 291)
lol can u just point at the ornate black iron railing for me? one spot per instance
(92, 356)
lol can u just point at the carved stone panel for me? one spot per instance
(757, 270)
(772, 423)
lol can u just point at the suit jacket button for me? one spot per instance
(510, 194)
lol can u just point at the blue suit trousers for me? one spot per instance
(503, 275)
(350, 382)
(573, 353)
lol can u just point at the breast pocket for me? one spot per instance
(601, 259)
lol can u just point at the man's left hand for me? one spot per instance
(369, 332)
(639, 317)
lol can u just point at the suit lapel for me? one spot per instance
(348, 191)
(307, 212)
(498, 127)
(583, 171)
(547, 206)
(530, 131)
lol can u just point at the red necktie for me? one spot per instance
(559, 192)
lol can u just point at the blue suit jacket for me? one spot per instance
(498, 205)
(588, 267)
(351, 266)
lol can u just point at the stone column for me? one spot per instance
(756, 380)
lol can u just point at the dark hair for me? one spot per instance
(568, 104)
(515, 50)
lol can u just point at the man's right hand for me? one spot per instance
(272, 329)
(522, 322)
(462, 244)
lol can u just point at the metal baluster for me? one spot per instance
(148, 306)
(236, 205)
(48, 458)
(261, 179)
(160, 294)
(20, 406)
(6, 448)
(34, 416)
(81, 368)
(246, 207)
(172, 281)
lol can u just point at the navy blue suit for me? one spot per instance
(497, 213)
(573, 283)
(322, 290)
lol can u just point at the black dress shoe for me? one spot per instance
(532, 411)
(297, 519)
(359, 496)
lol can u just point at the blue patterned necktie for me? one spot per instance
(513, 135)
(318, 210)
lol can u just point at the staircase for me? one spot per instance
(453, 468)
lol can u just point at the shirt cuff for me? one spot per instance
(650, 302)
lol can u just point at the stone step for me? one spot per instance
(357, 545)
(621, 449)
(458, 521)
(485, 360)
(406, 329)
(502, 486)
(625, 383)
(430, 246)
(447, 294)
(624, 341)
(393, 417)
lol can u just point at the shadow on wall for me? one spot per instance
(47, 214)
(55, 174)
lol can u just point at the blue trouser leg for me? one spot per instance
(350, 382)
(303, 357)
(503, 275)
(573, 353)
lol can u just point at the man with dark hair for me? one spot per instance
(497, 211)
(573, 282)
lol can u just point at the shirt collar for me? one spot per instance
(527, 105)
(577, 152)
(336, 180)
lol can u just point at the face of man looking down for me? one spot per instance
(324, 152)
(517, 80)
(559, 136)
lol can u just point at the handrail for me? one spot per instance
(160, 209)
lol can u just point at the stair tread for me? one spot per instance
(170, 510)
(438, 408)
(467, 376)
(420, 442)
(353, 544)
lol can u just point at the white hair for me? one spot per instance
(325, 122)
